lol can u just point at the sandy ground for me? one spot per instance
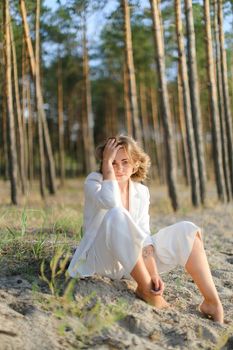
(25, 323)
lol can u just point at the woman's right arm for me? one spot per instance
(109, 154)
(105, 193)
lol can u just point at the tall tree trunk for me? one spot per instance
(61, 125)
(30, 133)
(166, 113)
(225, 156)
(131, 72)
(68, 141)
(225, 88)
(10, 113)
(195, 98)
(181, 120)
(35, 72)
(216, 143)
(113, 111)
(39, 115)
(144, 117)
(25, 79)
(195, 190)
(154, 115)
(4, 114)
(127, 102)
(22, 167)
(88, 122)
(110, 113)
(42, 158)
(107, 130)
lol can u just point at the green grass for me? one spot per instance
(223, 338)
(37, 243)
(42, 260)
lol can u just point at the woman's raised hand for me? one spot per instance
(110, 150)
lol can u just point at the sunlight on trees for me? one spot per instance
(159, 71)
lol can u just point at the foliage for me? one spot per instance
(62, 30)
(46, 255)
(58, 266)
(86, 317)
(224, 338)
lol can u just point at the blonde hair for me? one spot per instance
(140, 160)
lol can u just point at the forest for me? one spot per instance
(72, 74)
(160, 71)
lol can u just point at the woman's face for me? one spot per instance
(122, 165)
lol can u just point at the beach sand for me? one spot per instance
(25, 324)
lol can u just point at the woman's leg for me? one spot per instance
(197, 266)
(123, 243)
(141, 275)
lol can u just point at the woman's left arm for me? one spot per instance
(144, 219)
(148, 247)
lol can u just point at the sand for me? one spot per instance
(26, 324)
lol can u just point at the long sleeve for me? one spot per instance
(104, 193)
(144, 220)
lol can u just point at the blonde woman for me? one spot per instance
(117, 241)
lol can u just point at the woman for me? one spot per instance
(117, 240)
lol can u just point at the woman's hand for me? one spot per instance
(110, 150)
(158, 285)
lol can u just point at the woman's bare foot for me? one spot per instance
(154, 300)
(214, 311)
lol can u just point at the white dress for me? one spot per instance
(114, 237)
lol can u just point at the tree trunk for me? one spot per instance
(144, 117)
(225, 88)
(30, 133)
(113, 111)
(87, 117)
(25, 79)
(195, 98)
(22, 166)
(39, 114)
(61, 125)
(40, 104)
(216, 143)
(131, 72)
(68, 141)
(107, 130)
(166, 113)
(10, 113)
(155, 123)
(195, 189)
(110, 113)
(181, 120)
(127, 102)
(4, 115)
(226, 168)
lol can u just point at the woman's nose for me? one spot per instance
(119, 166)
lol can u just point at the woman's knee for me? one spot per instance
(187, 227)
(115, 215)
(198, 242)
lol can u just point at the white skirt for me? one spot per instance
(173, 245)
(119, 242)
